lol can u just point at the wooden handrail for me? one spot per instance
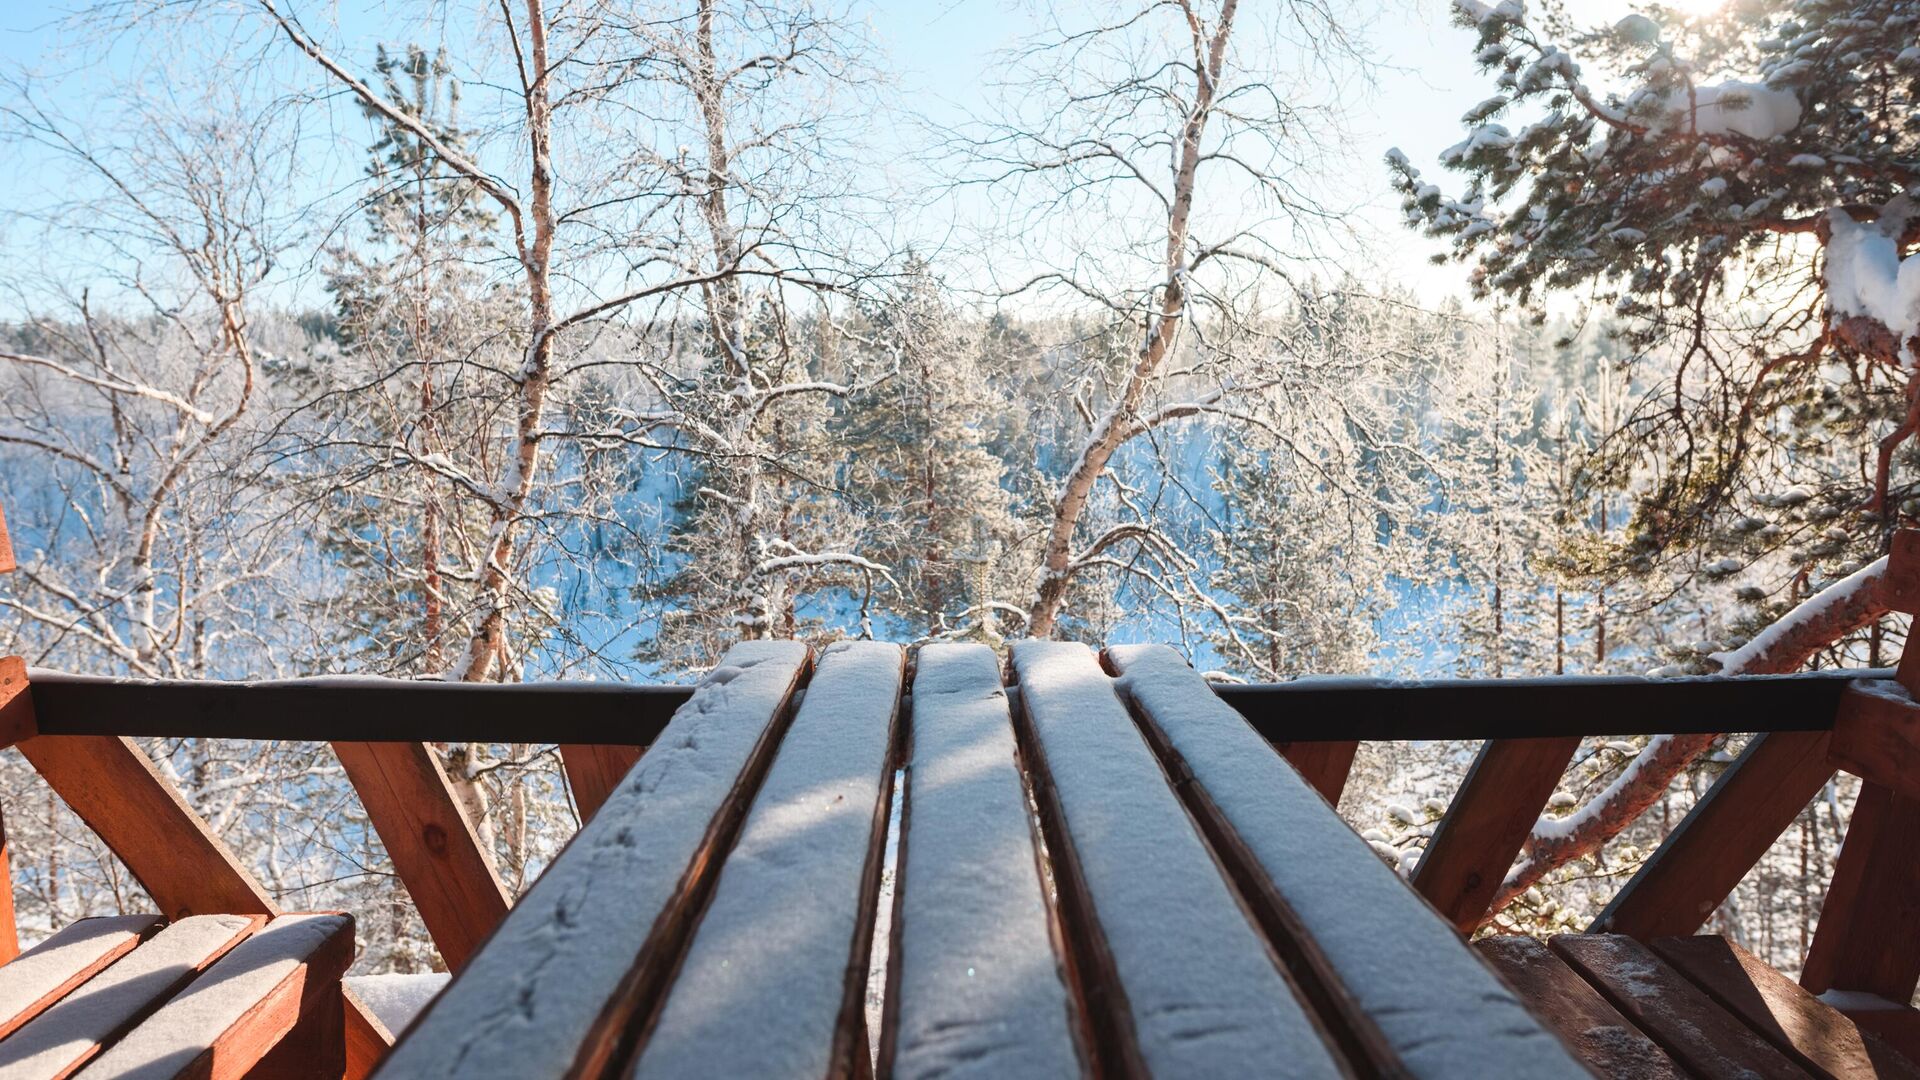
(626, 714)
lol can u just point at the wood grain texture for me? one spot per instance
(594, 770)
(1866, 939)
(1607, 1041)
(1489, 818)
(6, 545)
(1679, 1016)
(1876, 736)
(433, 846)
(1726, 833)
(1812, 1033)
(1895, 1023)
(16, 702)
(44, 974)
(1323, 765)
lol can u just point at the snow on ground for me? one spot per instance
(397, 999)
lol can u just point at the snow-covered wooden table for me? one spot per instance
(1103, 869)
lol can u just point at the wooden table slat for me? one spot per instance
(1351, 925)
(1671, 1010)
(975, 988)
(33, 981)
(1608, 1042)
(93, 1017)
(774, 982)
(1811, 1032)
(232, 1016)
(594, 942)
(1176, 980)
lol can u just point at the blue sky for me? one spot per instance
(942, 54)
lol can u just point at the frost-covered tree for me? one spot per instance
(1738, 188)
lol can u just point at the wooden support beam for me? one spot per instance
(110, 783)
(1323, 765)
(16, 723)
(1489, 818)
(1865, 940)
(594, 770)
(1728, 831)
(433, 846)
(1876, 735)
(6, 545)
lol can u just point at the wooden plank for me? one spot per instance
(1672, 1011)
(44, 974)
(1876, 735)
(590, 947)
(228, 1019)
(1478, 837)
(1298, 713)
(1813, 1034)
(114, 788)
(1895, 1023)
(6, 545)
(775, 981)
(974, 987)
(1324, 765)
(1158, 957)
(1866, 939)
(1610, 1045)
(593, 771)
(1715, 845)
(82, 1024)
(1363, 944)
(16, 702)
(433, 846)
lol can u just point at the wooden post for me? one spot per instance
(1490, 817)
(433, 845)
(16, 722)
(593, 771)
(1865, 940)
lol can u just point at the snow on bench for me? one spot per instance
(1366, 946)
(34, 980)
(774, 982)
(976, 988)
(1189, 988)
(251, 998)
(1584, 1018)
(554, 989)
(96, 1014)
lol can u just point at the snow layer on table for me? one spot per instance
(979, 987)
(761, 987)
(397, 999)
(97, 1010)
(523, 1004)
(164, 1043)
(1205, 996)
(1438, 1005)
(41, 970)
(1865, 275)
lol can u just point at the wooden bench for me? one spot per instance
(207, 996)
(1686, 1006)
(1098, 870)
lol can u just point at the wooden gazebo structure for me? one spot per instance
(1103, 866)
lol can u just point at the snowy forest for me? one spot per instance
(566, 340)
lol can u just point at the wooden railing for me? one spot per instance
(77, 732)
